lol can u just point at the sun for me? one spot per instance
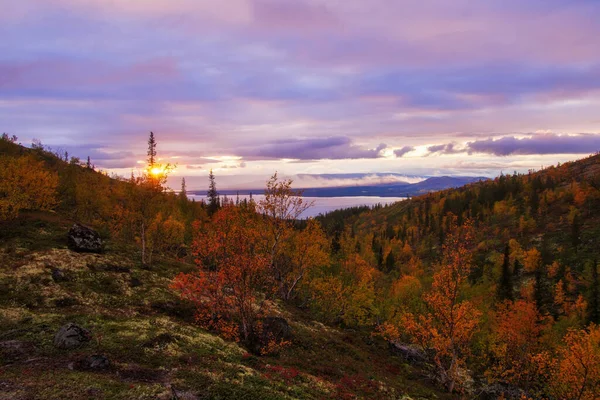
(156, 171)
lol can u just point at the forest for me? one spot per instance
(490, 290)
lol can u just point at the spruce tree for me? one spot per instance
(390, 261)
(594, 296)
(151, 151)
(213, 195)
(505, 285)
(542, 291)
(575, 232)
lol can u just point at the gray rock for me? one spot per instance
(271, 329)
(84, 240)
(58, 275)
(71, 336)
(411, 353)
(96, 362)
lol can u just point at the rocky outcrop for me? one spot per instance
(71, 336)
(84, 240)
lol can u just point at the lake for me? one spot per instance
(323, 205)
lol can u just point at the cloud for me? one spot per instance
(537, 144)
(359, 179)
(402, 151)
(448, 148)
(330, 148)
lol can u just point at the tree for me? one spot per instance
(516, 329)
(228, 287)
(151, 151)
(25, 184)
(594, 296)
(505, 285)
(448, 326)
(213, 196)
(281, 207)
(390, 261)
(299, 254)
(576, 375)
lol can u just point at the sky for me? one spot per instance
(305, 87)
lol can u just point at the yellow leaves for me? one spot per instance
(25, 183)
(533, 260)
(577, 372)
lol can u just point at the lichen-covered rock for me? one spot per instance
(84, 240)
(71, 336)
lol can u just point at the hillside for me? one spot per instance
(490, 290)
(527, 269)
(144, 341)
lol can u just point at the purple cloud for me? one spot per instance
(402, 151)
(332, 148)
(537, 144)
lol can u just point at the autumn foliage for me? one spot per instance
(25, 184)
(231, 282)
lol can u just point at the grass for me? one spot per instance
(150, 337)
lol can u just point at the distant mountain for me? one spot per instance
(393, 189)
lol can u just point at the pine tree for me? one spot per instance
(88, 164)
(594, 296)
(542, 291)
(505, 285)
(213, 195)
(390, 261)
(151, 151)
(183, 192)
(575, 231)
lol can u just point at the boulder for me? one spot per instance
(267, 330)
(276, 328)
(84, 240)
(411, 353)
(96, 362)
(135, 282)
(71, 336)
(58, 275)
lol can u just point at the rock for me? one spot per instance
(500, 391)
(71, 336)
(176, 308)
(84, 240)
(94, 392)
(120, 269)
(96, 362)
(411, 353)
(58, 275)
(276, 328)
(65, 302)
(269, 329)
(161, 341)
(135, 282)
(13, 350)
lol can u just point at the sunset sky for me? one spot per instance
(247, 87)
